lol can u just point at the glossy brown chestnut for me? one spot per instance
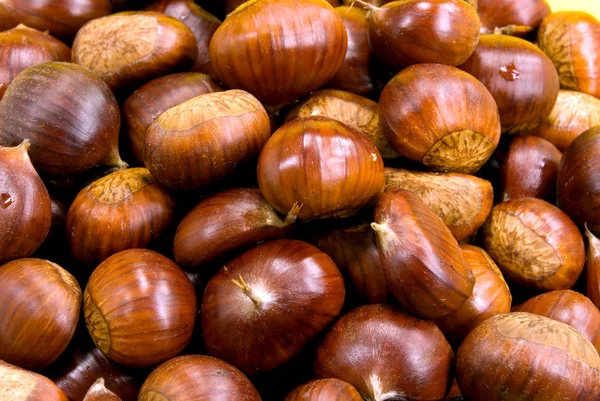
(25, 209)
(569, 307)
(592, 267)
(226, 221)
(202, 24)
(62, 18)
(462, 201)
(18, 384)
(204, 139)
(144, 106)
(522, 357)
(40, 303)
(529, 168)
(359, 350)
(139, 308)
(335, 169)
(70, 116)
(23, 47)
(262, 307)
(423, 31)
(572, 41)
(131, 47)
(123, 210)
(279, 50)
(350, 109)
(199, 378)
(440, 116)
(354, 250)
(572, 114)
(324, 390)
(578, 184)
(425, 268)
(534, 243)
(99, 392)
(501, 13)
(520, 77)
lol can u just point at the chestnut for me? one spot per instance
(462, 201)
(377, 3)
(417, 31)
(25, 208)
(99, 392)
(454, 394)
(139, 308)
(324, 390)
(223, 222)
(336, 169)
(364, 349)
(530, 168)
(263, 306)
(68, 114)
(350, 109)
(18, 384)
(522, 356)
(204, 139)
(592, 267)
(571, 39)
(440, 116)
(279, 59)
(123, 210)
(131, 47)
(534, 243)
(425, 268)
(144, 106)
(199, 378)
(40, 309)
(502, 13)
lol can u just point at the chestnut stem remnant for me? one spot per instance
(290, 218)
(512, 30)
(246, 290)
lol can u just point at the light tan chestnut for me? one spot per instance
(18, 384)
(462, 201)
(205, 138)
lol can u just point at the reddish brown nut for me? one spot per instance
(592, 267)
(324, 390)
(18, 384)
(503, 13)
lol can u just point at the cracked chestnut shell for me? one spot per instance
(534, 243)
(501, 13)
(324, 390)
(22, 385)
(440, 116)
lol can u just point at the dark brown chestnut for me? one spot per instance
(199, 378)
(503, 13)
(263, 306)
(440, 116)
(592, 267)
(68, 114)
(99, 392)
(40, 303)
(534, 243)
(18, 384)
(426, 269)
(360, 349)
(226, 221)
(520, 77)
(529, 168)
(336, 169)
(139, 308)
(324, 390)
(128, 48)
(123, 210)
(522, 356)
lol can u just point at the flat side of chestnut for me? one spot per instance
(18, 384)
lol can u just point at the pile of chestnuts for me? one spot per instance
(299, 200)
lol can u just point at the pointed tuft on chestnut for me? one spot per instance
(99, 392)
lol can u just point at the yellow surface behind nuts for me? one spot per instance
(590, 6)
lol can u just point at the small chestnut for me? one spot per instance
(18, 384)
(592, 267)
(324, 390)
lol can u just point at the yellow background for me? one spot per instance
(590, 6)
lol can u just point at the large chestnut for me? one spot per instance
(572, 41)
(462, 201)
(522, 357)
(502, 13)
(426, 269)
(324, 390)
(335, 169)
(198, 378)
(128, 48)
(520, 77)
(223, 222)
(534, 244)
(263, 306)
(123, 210)
(68, 114)
(18, 384)
(139, 308)
(592, 267)
(204, 139)
(279, 50)
(40, 309)
(440, 116)
(25, 208)
(386, 354)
